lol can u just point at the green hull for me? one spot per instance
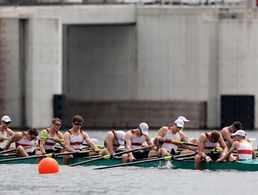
(247, 165)
(102, 162)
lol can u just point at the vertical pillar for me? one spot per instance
(44, 70)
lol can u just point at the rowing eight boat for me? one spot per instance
(247, 165)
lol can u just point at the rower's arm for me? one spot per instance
(201, 146)
(233, 147)
(43, 138)
(148, 140)
(226, 136)
(88, 141)
(161, 134)
(109, 142)
(10, 132)
(13, 139)
(128, 142)
(223, 145)
(183, 138)
(67, 143)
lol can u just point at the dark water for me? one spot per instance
(24, 179)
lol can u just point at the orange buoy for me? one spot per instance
(48, 165)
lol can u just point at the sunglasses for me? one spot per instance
(77, 124)
(7, 123)
(57, 124)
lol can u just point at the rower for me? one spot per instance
(227, 131)
(207, 143)
(113, 142)
(166, 139)
(49, 137)
(192, 140)
(134, 139)
(5, 131)
(243, 147)
(26, 142)
(74, 138)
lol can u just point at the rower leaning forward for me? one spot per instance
(26, 142)
(169, 138)
(113, 143)
(74, 138)
(135, 139)
(207, 144)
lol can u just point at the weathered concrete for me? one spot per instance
(126, 52)
(44, 70)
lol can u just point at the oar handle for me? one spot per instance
(132, 150)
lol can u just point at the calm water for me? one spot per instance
(18, 179)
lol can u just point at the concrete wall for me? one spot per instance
(100, 62)
(10, 70)
(238, 51)
(125, 52)
(44, 70)
(173, 54)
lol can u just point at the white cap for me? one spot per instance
(183, 118)
(120, 137)
(240, 133)
(6, 119)
(179, 123)
(144, 127)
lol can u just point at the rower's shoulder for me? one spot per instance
(163, 128)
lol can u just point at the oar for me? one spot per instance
(4, 138)
(25, 158)
(38, 156)
(108, 156)
(7, 151)
(69, 153)
(14, 149)
(166, 158)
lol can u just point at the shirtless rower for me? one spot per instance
(207, 143)
(26, 142)
(74, 138)
(243, 147)
(113, 142)
(5, 131)
(134, 139)
(227, 131)
(49, 137)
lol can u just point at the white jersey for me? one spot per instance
(245, 150)
(76, 141)
(136, 142)
(208, 145)
(50, 143)
(24, 142)
(168, 144)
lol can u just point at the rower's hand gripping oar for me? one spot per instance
(108, 156)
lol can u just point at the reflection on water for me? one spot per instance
(17, 179)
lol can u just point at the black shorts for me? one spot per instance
(214, 155)
(141, 155)
(49, 151)
(31, 153)
(80, 155)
